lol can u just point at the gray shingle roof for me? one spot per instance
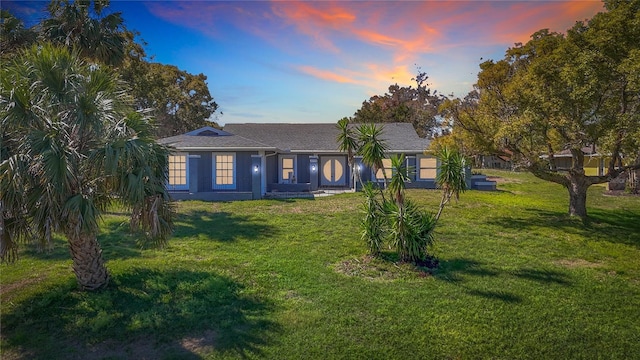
(310, 138)
(194, 142)
(321, 137)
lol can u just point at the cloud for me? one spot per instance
(212, 18)
(374, 78)
(527, 18)
(315, 20)
(326, 74)
(375, 43)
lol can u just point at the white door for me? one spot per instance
(333, 171)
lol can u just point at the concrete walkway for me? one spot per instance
(305, 195)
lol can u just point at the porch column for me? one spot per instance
(313, 172)
(193, 160)
(467, 176)
(256, 176)
(359, 168)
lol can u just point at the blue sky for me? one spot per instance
(299, 62)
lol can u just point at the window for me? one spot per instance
(224, 171)
(387, 168)
(178, 173)
(287, 169)
(427, 167)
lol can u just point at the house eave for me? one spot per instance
(393, 151)
(201, 148)
(545, 156)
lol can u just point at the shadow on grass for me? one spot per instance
(58, 250)
(115, 239)
(496, 295)
(543, 276)
(461, 271)
(220, 226)
(287, 200)
(117, 242)
(453, 270)
(617, 226)
(142, 314)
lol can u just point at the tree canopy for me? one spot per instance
(70, 145)
(416, 105)
(560, 93)
(81, 24)
(178, 100)
(13, 34)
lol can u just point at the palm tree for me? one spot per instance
(71, 146)
(451, 176)
(372, 148)
(80, 24)
(347, 142)
(13, 34)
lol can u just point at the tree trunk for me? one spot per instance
(88, 264)
(578, 197)
(634, 179)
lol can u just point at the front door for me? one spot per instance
(333, 171)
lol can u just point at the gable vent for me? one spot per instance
(207, 133)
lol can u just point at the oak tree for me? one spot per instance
(562, 93)
(416, 105)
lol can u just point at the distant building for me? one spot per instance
(495, 161)
(595, 164)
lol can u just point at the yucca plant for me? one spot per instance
(451, 176)
(373, 148)
(399, 178)
(372, 224)
(410, 228)
(348, 142)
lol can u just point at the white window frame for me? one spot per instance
(214, 176)
(184, 186)
(281, 179)
(419, 167)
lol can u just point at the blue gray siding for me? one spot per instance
(204, 171)
(303, 169)
(366, 175)
(272, 169)
(243, 171)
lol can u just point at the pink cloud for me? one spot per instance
(326, 75)
(528, 18)
(391, 36)
(318, 23)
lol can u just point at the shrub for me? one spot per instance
(373, 222)
(410, 230)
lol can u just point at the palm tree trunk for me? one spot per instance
(88, 264)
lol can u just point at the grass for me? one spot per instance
(289, 279)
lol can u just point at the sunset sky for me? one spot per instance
(296, 62)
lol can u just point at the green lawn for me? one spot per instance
(290, 280)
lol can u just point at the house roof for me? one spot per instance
(212, 139)
(321, 137)
(586, 150)
(300, 138)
